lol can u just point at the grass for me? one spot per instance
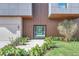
(64, 49)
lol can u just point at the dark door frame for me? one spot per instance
(34, 29)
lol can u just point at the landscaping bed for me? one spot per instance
(11, 50)
(52, 46)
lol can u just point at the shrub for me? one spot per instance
(23, 40)
(21, 52)
(19, 41)
(35, 51)
(44, 47)
(14, 42)
(9, 50)
(68, 29)
(49, 42)
(48, 38)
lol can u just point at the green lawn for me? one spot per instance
(64, 49)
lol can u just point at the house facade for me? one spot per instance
(35, 20)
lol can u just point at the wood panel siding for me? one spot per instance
(40, 17)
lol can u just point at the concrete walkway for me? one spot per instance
(31, 44)
(28, 45)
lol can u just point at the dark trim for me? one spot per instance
(34, 29)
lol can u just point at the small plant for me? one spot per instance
(1, 53)
(9, 50)
(68, 29)
(44, 48)
(39, 51)
(49, 42)
(23, 40)
(48, 38)
(19, 41)
(21, 52)
(14, 42)
(35, 51)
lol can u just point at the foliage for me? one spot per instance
(1, 53)
(68, 29)
(21, 52)
(9, 50)
(19, 41)
(48, 38)
(49, 42)
(35, 51)
(23, 40)
(39, 51)
(14, 42)
(44, 48)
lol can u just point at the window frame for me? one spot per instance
(34, 30)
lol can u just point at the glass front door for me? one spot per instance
(39, 31)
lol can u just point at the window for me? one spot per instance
(62, 5)
(39, 31)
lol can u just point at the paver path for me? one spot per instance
(28, 46)
(31, 44)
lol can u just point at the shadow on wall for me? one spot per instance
(6, 33)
